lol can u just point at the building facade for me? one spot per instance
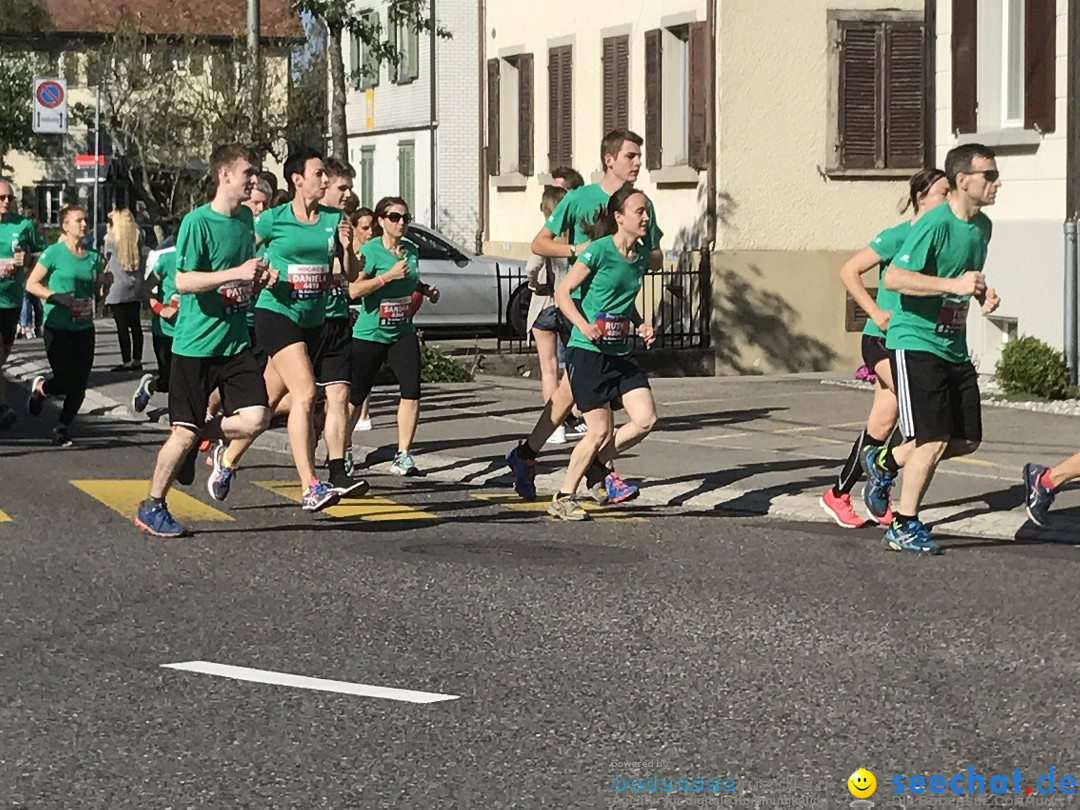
(412, 126)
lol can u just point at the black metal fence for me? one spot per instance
(675, 298)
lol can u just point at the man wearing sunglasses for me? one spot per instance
(18, 239)
(937, 271)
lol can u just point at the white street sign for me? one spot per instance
(50, 116)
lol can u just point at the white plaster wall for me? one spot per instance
(520, 26)
(386, 167)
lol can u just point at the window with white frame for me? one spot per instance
(50, 199)
(406, 39)
(1012, 63)
(676, 61)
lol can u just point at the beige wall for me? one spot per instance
(519, 26)
(773, 133)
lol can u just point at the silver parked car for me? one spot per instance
(469, 284)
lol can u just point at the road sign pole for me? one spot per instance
(97, 161)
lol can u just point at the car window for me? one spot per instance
(431, 247)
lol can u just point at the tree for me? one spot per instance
(308, 97)
(340, 17)
(19, 20)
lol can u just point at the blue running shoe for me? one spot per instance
(1038, 497)
(220, 479)
(911, 535)
(876, 493)
(618, 490)
(524, 473)
(318, 497)
(156, 521)
(141, 398)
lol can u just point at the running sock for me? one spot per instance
(526, 452)
(596, 473)
(852, 469)
(902, 520)
(226, 461)
(1044, 480)
(336, 466)
(887, 460)
(154, 503)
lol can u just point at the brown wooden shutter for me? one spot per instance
(964, 66)
(861, 96)
(616, 69)
(1040, 52)
(905, 95)
(698, 153)
(493, 122)
(654, 145)
(560, 106)
(525, 113)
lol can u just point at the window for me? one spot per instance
(878, 117)
(367, 176)
(179, 62)
(50, 199)
(363, 62)
(406, 40)
(676, 69)
(616, 65)
(407, 172)
(1003, 65)
(510, 115)
(560, 106)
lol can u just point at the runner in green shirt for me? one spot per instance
(936, 271)
(164, 304)
(927, 189)
(620, 153)
(301, 239)
(18, 240)
(68, 278)
(216, 275)
(601, 371)
(383, 333)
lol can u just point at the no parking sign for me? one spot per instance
(50, 106)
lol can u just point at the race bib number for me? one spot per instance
(952, 317)
(394, 311)
(82, 309)
(235, 296)
(7, 269)
(307, 281)
(614, 328)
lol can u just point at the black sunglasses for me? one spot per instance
(396, 217)
(7, 196)
(991, 175)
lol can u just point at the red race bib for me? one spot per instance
(614, 328)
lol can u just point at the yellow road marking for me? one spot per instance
(122, 495)
(596, 512)
(4, 517)
(366, 508)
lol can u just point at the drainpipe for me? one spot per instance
(709, 241)
(433, 132)
(481, 108)
(1072, 189)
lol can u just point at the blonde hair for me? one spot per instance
(552, 197)
(125, 238)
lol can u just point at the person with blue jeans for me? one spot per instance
(30, 316)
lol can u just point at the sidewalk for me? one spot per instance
(747, 445)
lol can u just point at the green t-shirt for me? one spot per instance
(337, 296)
(301, 253)
(940, 244)
(167, 294)
(15, 232)
(213, 323)
(578, 209)
(67, 273)
(386, 314)
(607, 295)
(886, 245)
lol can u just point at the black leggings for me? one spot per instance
(71, 356)
(401, 356)
(163, 353)
(129, 330)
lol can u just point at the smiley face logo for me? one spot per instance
(862, 784)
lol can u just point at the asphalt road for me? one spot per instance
(776, 657)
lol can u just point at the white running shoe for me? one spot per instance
(559, 436)
(363, 424)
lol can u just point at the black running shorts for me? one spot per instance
(598, 379)
(402, 357)
(873, 351)
(193, 378)
(938, 400)
(273, 332)
(9, 324)
(333, 358)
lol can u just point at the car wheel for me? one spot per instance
(517, 311)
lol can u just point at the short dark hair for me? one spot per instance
(223, 156)
(356, 215)
(381, 210)
(571, 177)
(958, 161)
(270, 179)
(336, 167)
(614, 140)
(296, 163)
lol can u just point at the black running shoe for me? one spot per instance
(347, 487)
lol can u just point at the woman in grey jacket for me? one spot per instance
(124, 255)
